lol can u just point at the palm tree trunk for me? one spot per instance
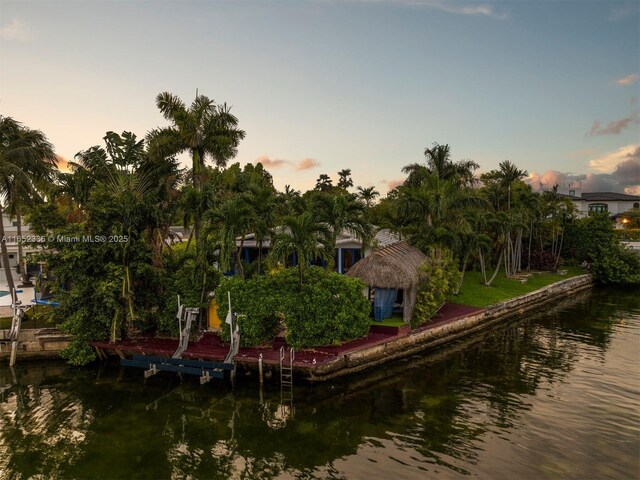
(464, 268)
(496, 271)
(239, 259)
(23, 268)
(529, 254)
(5, 256)
(483, 268)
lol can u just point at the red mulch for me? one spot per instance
(209, 347)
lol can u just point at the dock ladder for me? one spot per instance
(286, 371)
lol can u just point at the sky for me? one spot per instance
(321, 85)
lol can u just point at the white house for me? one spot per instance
(598, 202)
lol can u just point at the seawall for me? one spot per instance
(34, 343)
(432, 336)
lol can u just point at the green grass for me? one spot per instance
(474, 294)
(5, 323)
(390, 322)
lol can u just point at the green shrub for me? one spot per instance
(329, 309)
(439, 276)
(628, 234)
(616, 266)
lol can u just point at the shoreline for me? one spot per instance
(322, 364)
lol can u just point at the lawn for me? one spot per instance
(474, 294)
(395, 321)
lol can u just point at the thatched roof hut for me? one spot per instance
(392, 267)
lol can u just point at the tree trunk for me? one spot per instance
(464, 268)
(483, 268)
(529, 255)
(5, 256)
(496, 271)
(239, 258)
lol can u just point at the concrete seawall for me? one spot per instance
(430, 337)
(34, 343)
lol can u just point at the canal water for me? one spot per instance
(550, 395)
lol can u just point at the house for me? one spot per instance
(349, 249)
(392, 272)
(598, 202)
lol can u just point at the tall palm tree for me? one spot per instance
(344, 180)
(343, 212)
(265, 205)
(439, 163)
(26, 157)
(304, 236)
(368, 195)
(204, 129)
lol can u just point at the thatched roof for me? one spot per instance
(394, 266)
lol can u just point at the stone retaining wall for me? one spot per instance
(426, 337)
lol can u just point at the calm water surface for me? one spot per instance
(552, 395)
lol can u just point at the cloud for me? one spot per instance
(307, 164)
(624, 10)
(271, 163)
(460, 8)
(628, 80)
(610, 161)
(304, 164)
(394, 183)
(624, 165)
(614, 127)
(16, 30)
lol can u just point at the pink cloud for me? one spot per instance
(628, 80)
(307, 164)
(394, 183)
(271, 163)
(614, 127)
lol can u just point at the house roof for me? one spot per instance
(609, 196)
(394, 266)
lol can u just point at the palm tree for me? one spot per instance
(345, 180)
(324, 183)
(233, 218)
(204, 129)
(304, 236)
(265, 205)
(26, 157)
(343, 212)
(368, 195)
(439, 163)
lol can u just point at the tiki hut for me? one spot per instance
(389, 269)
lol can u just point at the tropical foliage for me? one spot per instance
(274, 250)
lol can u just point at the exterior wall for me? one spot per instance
(35, 343)
(613, 207)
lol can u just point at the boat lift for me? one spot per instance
(206, 370)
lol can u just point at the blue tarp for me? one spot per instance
(383, 303)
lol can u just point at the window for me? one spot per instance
(598, 208)
(572, 193)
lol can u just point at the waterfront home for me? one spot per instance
(348, 251)
(392, 272)
(616, 204)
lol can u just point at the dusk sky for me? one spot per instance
(323, 85)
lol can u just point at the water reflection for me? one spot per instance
(547, 395)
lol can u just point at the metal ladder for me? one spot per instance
(286, 372)
(16, 323)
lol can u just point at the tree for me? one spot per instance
(324, 183)
(343, 212)
(26, 157)
(439, 163)
(345, 180)
(368, 195)
(304, 236)
(204, 129)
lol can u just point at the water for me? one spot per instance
(548, 396)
